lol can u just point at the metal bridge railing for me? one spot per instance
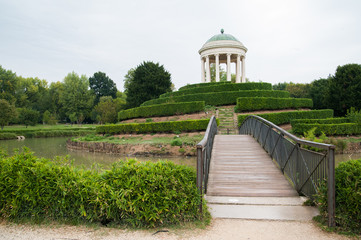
(306, 169)
(204, 153)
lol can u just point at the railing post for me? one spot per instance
(200, 174)
(331, 201)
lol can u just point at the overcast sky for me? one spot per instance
(287, 40)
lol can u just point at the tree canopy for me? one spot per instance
(7, 112)
(102, 86)
(150, 80)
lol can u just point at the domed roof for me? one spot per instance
(222, 36)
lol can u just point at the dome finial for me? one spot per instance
(222, 30)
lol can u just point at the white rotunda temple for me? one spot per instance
(223, 48)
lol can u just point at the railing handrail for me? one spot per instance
(204, 152)
(289, 153)
(291, 136)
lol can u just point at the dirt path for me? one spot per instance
(219, 229)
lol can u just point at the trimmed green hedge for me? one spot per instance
(139, 194)
(263, 103)
(219, 98)
(196, 85)
(153, 127)
(322, 121)
(328, 129)
(7, 135)
(220, 88)
(12, 134)
(286, 117)
(166, 109)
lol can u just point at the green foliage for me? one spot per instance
(219, 98)
(150, 80)
(220, 88)
(298, 90)
(286, 117)
(348, 196)
(263, 103)
(149, 120)
(107, 109)
(130, 193)
(8, 82)
(354, 116)
(75, 97)
(28, 116)
(102, 85)
(328, 129)
(7, 112)
(7, 135)
(294, 122)
(196, 85)
(344, 89)
(318, 91)
(280, 86)
(176, 142)
(167, 109)
(152, 127)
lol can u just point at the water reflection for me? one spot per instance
(51, 147)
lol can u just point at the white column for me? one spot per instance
(217, 67)
(208, 70)
(229, 67)
(202, 70)
(243, 69)
(238, 72)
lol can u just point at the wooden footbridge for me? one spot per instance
(262, 172)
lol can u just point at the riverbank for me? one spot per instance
(218, 229)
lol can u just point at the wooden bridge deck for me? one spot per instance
(241, 168)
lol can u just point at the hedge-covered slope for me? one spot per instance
(322, 121)
(188, 86)
(34, 133)
(139, 194)
(265, 103)
(220, 88)
(154, 127)
(286, 117)
(166, 109)
(219, 98)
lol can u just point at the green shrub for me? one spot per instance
(348, 196)
(353, 115)
(153, 127)
(7, 135)
(176, 142)
(322, 121)
(328, 129)
(265, 103)
(149, 120)
(286, 117)
(167, 109)
(133, 193)
(220, 88)
(196, 85)
(219, 98)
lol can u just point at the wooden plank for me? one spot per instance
(241, 168)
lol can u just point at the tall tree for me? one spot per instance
(318, 91)
(102, 85)
(107, 110)
(128, 78)
(28, 117)
(7, 112)
(8, 82)
(344, 89)
(298, 90)
(150, 80)
(75, 97)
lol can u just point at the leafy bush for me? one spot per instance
(218, 98)
(328, 129)
(286, 117)
(220, 88)
(166, 109)
(322, 121)
(263, 103)
(7, 135)
(152, 127)
(353, 115)
(131, 193)
(196, 85)
(348, 196)
(176, 142)
(35, 133)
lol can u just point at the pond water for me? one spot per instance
(51, 147)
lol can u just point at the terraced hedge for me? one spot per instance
(219, 98)
(34, 133)
(196, 85)
(220, 88)
(154, 127)
(266, 103)
(166, 109)
(328, 129)
(286, 117)
(321, 121)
